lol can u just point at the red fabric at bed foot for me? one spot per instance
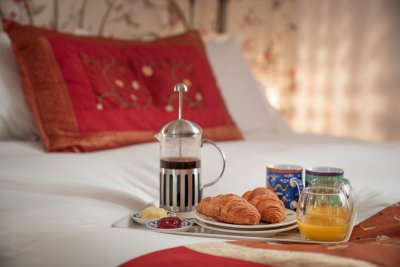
(182, 256)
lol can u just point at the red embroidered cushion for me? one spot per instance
(90, 93)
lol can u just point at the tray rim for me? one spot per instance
(283, 237)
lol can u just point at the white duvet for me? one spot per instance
(56, 209)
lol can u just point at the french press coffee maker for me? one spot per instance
(180, 162)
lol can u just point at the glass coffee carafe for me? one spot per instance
(180, 162)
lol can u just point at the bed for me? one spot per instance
(58, 208)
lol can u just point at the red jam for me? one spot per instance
(169, 222)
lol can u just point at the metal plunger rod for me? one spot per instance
(180, 88)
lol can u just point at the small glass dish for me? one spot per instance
(136, 217)
(185, 226)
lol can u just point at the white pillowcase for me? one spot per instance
(16, 121)
(242, 92)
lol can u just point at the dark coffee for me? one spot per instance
(180, 163)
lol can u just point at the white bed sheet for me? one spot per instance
(56, 209)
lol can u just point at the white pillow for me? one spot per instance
(243, 94)
(16, 121)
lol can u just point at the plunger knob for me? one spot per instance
(180, 88)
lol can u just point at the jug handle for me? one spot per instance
(223, 164)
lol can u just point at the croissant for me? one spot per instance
(229, 208)
(270, 207)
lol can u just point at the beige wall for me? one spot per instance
(348, 68)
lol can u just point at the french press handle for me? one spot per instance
(223, 163)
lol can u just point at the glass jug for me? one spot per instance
(180, 162)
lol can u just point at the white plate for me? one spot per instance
(266, 232)
(186, 224)
(290, 219)
(136, 217)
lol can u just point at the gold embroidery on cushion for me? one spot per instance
(119, 83)
(187, 82)
(47, 92)
(179, 71)
(147, 70)
(118, 89)
(198, 96)
(99, 106)
(135, 85)
(169, 108)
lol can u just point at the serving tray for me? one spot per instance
(291, 236)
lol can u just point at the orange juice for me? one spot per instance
(324, 223)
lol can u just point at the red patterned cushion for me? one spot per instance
(91, 93)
